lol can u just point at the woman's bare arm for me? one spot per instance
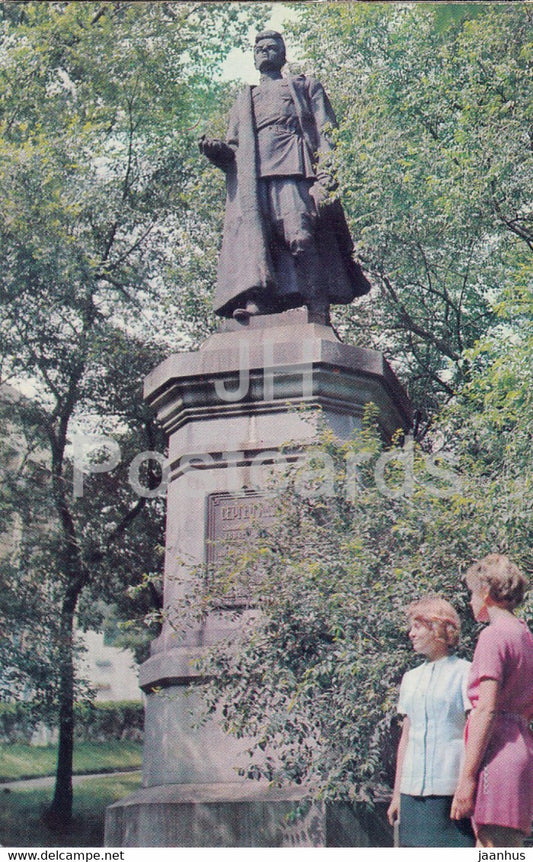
(394, 807)
(479, 732)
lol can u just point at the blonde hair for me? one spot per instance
(503, 579)
(439, 615)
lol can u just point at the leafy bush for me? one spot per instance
(96, 722)
(17, 722)
(311, 675)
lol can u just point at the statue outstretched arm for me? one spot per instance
(218, 152)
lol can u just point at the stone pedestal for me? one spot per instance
(228, 409)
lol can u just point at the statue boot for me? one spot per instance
(251, 309)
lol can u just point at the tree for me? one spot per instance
(434, 157)
(100, 101)
(28, 618)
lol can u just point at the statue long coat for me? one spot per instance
(250, 263)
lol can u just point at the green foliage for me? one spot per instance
(434, 157)
(491, 422)
(17, 722)
(95, 722)
(29, 647)
(101, 721)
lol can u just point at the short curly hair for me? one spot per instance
(439, 615)
(503, 579)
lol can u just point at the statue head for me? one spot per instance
(269, 51)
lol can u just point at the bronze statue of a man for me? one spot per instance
(286, 242)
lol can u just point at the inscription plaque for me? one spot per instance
(234, 521)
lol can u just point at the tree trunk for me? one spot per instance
(59, 814)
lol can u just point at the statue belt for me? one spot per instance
(279, 127)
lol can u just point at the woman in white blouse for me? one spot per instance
(434, 704)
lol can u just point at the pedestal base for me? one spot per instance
(225, 815)
(229, 409)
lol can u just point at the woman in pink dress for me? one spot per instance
(496, 783)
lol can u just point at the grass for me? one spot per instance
(21, 813)
(31, 761)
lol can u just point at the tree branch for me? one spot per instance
(428, 336)
(511, 224)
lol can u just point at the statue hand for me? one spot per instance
(320, 194)
(216, 151)
(208, 146)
